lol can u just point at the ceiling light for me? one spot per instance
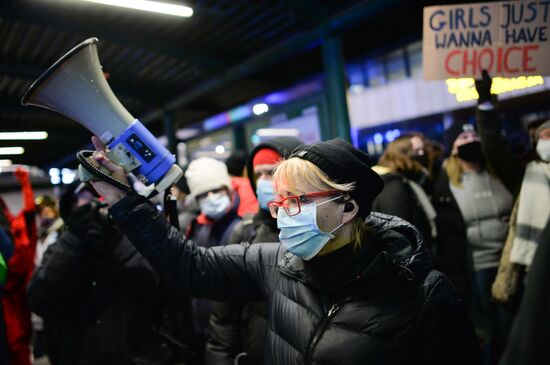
(220, 149)
(278, 132)
(152, 6)
(12, 150)
(5, 163)
(260, 108)
(12, 136)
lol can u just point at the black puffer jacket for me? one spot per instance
(103, 307)
(401, 310)
(237, 329)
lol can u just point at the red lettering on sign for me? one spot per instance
(487, 65)
(466, 62)
(448, 60)
(499, 61)
(526, 58)
(507, 58)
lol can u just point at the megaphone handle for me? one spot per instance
(82, 158)
(171, 209)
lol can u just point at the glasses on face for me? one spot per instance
(292, 204)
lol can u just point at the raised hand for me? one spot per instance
(110, 194)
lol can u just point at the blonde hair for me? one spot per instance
(454, 170)
(288, 172)
(397, 156)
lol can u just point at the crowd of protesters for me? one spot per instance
(293, 254)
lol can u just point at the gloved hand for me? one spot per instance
(483, 88)
(87, 223)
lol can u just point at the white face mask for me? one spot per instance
(543, 149)
(215, 205)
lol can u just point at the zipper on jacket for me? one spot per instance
(320, 329)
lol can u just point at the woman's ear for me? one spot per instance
(351, 208)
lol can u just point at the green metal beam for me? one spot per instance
(335, 88)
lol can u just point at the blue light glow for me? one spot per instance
(239, 113)
(215, 122)
(378, 138)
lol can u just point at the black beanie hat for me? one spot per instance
(452, 133)
(282, 145)
(343, 164)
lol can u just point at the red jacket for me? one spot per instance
(20, 268)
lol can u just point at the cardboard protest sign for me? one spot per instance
(509, 38)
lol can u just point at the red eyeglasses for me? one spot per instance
(291, 204)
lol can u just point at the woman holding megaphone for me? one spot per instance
(344, 285)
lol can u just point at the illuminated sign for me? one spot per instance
(464, 89)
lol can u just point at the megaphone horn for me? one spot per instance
(75, 86)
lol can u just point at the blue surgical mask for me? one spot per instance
(300, 233)
(215, 205)
(265, 192)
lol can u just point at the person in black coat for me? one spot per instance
(97, 294)
(238, 330)
(340, 290)
(404, 169)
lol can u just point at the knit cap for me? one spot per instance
(541, 127)
(343, 164)
(266, 156)
(205, 174)
(455, 130)
(282, 146)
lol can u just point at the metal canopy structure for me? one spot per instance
(228, 53)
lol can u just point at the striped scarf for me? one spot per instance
(533, 212)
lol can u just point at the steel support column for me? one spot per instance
(335, 89)
(239, 137)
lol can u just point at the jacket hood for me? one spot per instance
(402, 256)
(282, 145)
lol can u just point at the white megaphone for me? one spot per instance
(75, 86)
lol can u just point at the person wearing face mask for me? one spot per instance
(343, 286)
(210, 186)
(404, 169)
(528, 230)
(473, 209)
(530, 185)
(238, 330)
